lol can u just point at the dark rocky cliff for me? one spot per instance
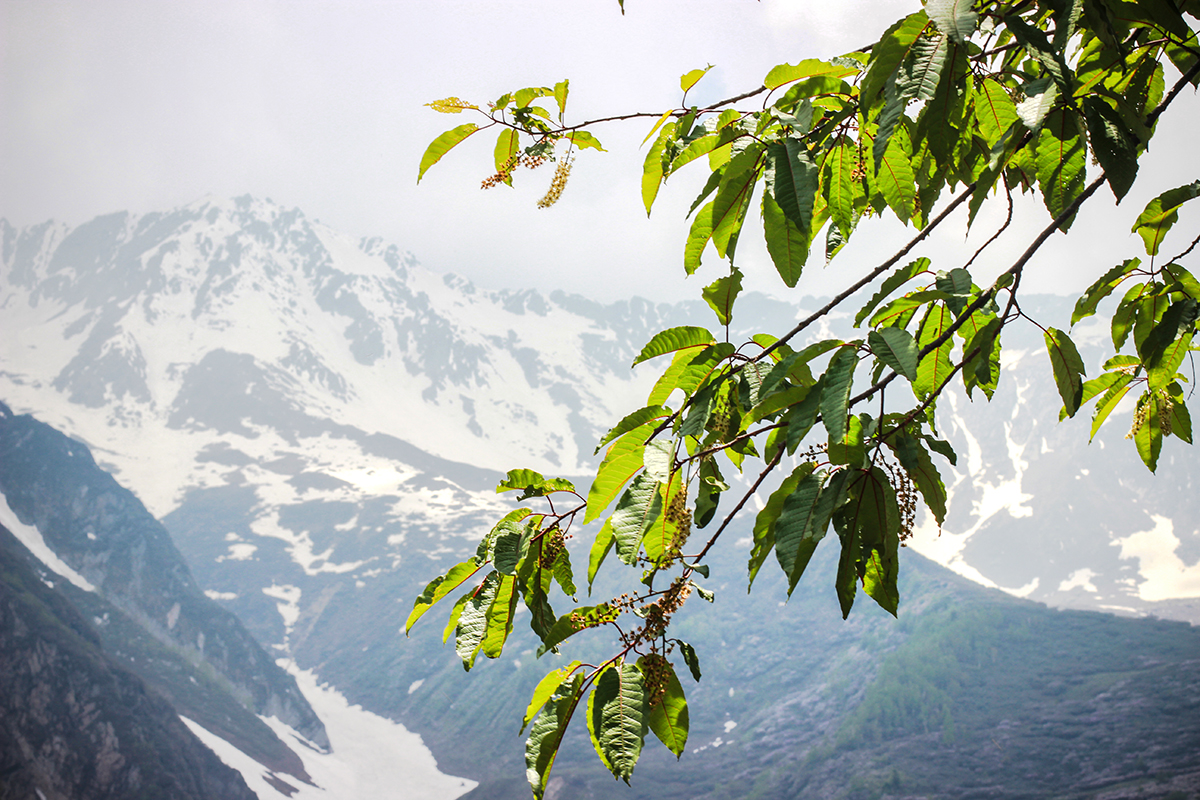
(73, 723)
(148, 610)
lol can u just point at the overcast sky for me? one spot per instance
(144, 106)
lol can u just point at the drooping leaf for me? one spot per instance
(894, 176)
(1109, 400)
(721, 294)
(699, 235)
(618, 718)
(472, 623)
(690, 658)
(934, 368)
(835, 396)
(786, 244)
(795, 537)
(1061, 157)
(638, 507)
(652, 170)
(668, 717)
(547, 733)
(924, 474)
(896, 348)
(499, 618)
(600, 549)
(890, 52)
(733, 198)
(792, 179)
(442, 145)
(1148, 437)
(1068, 369)
(765, 522)
(1039, 99)
(1114, 145)
(633, 420)
(546, 687)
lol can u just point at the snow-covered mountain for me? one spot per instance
(320, 423)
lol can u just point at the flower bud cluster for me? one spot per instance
(680, 516)
(557, 184)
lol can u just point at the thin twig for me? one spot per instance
(729, 518)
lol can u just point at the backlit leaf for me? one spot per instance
(442, 145)
(1068, 369)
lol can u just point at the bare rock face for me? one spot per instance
(105, 533)
(73, 724)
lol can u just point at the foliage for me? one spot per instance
(975, 100)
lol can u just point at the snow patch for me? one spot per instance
(1164, 575)
(371, 756)
(31, 537)
(1080, 579)
(213, 594)
(289, 602)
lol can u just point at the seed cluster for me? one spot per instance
(677, 514)
(719, 418)
(553, 543)
(557, 184)
(906, 498)
(506, 170)
(658, 615)
(656, 674)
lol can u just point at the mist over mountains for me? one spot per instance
(319, 425)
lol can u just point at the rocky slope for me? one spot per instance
(73, 722)
(149, 611)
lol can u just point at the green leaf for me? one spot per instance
(1039, 99)
(1148, 437)
(1061, 158)
(690, 658)
(721, 294)
(533, 484)
(659, 458)
(1114, 145)
(621, 462)
(1109, 401)
(1068, 369)
(440, 587)
(560, 95)
(792, 179)
(803, 415)
(796, 537)
(894, 177)
(1122, 319)
(843, 189)
(506, 148)
(896, 348)
(472, 624)
(893, 282)
(1161, 351)
(1086, 305)
(617, 718)
(955, 18)
(810, 67)
(835, 396)
(547, 733)
(699, 235)
(767, 519)
(994, 110)
(652, 170)
(499, 618)
(1034, 40)
(673, 339)
(787, 245)
(633, 420)
(889, 53)
(983, 368)
(600, 549)
(1161, 213)
(546, 687)
(637, 509)
(733, 199)
(582, 618)
(690, 78)
(669, 716)
(442, 145)
(916, 79)
(934, 369)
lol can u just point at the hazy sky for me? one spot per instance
(142, 106)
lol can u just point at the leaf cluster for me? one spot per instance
(980, 101)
